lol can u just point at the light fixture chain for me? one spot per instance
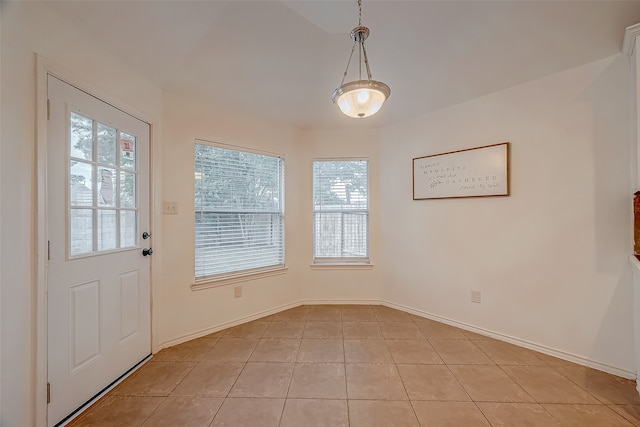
(344, 76)
(361, 49)
(360, 59)
(366, 61)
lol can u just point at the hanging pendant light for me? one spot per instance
(363, 97)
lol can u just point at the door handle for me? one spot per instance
(147, 251)
(146, 235)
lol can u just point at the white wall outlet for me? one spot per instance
(475, 297)
(170, 208)
(237, 291)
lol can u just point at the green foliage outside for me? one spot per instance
(340, 184)
(236, 181)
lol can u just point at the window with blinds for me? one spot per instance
(341, 211)
(239, 212)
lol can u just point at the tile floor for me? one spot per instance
(361, 366)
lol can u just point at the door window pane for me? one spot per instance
(81, 184)
(81, 231)
(127, 151)
(107, 194)
(127, 190)
(81, 137)
(128, 227)
(107, 229)
(106, 144)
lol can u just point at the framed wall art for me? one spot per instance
(474, 172)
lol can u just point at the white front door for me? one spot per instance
(98, 290)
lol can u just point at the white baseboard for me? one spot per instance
(341, 302)
(512, 340)
(221, 326)
(519, 342)
(259, 315)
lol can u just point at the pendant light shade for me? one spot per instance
(361, 98)
(364, 97)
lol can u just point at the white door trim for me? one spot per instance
(43, 68)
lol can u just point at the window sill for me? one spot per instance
(344, 266)
(226, 281)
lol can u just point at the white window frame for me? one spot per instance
(214, 280)
(349, 262)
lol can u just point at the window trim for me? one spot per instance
(224, 279)
(246, 276)
(329, 263)
(341, 266)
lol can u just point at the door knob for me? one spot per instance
(146, 235)
(147, 251)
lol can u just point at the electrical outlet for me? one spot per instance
(475, 297)
(237, 291)
(170, 208)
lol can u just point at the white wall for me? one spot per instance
(343, 284)
(185, 313)
(551, 259)
(28, 28)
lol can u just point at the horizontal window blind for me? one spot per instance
(239, 218)
(341, 211)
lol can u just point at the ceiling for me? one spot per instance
(282, 59)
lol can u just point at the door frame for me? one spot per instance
(45, 67)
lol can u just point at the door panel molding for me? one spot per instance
(84, 324)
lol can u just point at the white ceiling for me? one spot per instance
(282, 59)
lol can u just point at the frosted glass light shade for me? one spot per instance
(361, 98)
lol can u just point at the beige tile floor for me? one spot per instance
(361, 366)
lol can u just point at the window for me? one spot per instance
(102, 187)
(239, 201)
(341, 211)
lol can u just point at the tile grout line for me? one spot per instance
(580, 387)
(540, 404)
(346, 383)
(632, 422)
(508, 376)
(295, 361)
(244, 365)
(164, 398)
(404, 387)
